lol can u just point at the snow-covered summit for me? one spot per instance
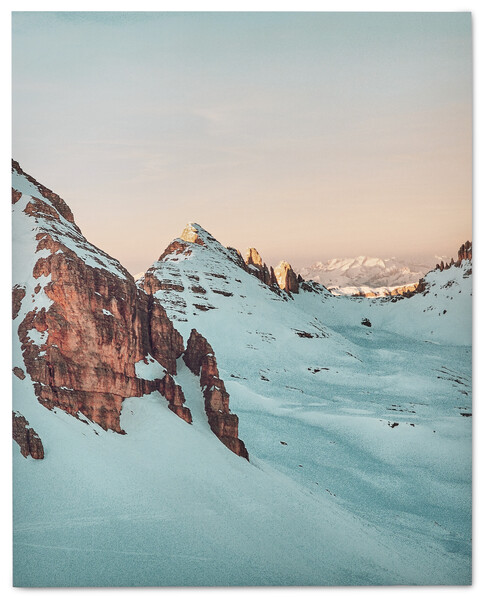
(366, 275)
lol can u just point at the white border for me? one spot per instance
(477, 7)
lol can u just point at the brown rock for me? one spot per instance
(197, 348)
(286, 277)
(199, 357)
(252, 257)
(190, 235)
(465, 252)
(175, 248)
(256, 267)
(30, 443)
(59, 204)
(175, 396)
(98, 326)
(15, 196)
(18, 294)
(19, 372)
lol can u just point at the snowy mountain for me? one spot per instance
(355, 416)
(367, 276)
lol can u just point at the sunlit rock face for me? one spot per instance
(286, 277)
(190, 235)
(253, 257)
(256, 267)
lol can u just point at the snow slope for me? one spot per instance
(366, 274)
(305, 371)
(334, 493)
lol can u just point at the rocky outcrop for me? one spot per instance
(199, 357)
(175, 397)
(28, 440)
(18, 294)
(97, 327)
(15, 196)
(465, 252)
(81, 346)
(175, 248)
(253, 257)
(256, 267)
(190, 235)
(286, 277)
(59, 204)
(18, 372)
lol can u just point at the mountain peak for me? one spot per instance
(253, 257)
(286, 277)
(194, 233)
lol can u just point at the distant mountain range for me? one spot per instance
(368, 276)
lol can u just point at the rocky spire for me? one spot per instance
(253, 257)
(199, 357)
(465, 252)
(259, 269)
(286, 277)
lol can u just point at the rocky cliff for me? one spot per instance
(84, 326)
(199, 357)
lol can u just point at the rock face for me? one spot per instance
(464, 254)
(190, 235)
(18, 294)
(256, 267)
(97, 327)
(18, 372)
(199, 357)
(286, 277)
(175, 396)
(252, 257)
(30, 443)
(91, 324)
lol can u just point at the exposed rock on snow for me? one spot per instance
(256, 267)
(18, 293)
(465, 252)
(199, 357)
(464, 258)
(30, 443)
(286, 277)
(79, 359)
(174, 394)
(191, 235)
(252, 257)
(19, 372)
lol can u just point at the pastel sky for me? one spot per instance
(307, 135)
